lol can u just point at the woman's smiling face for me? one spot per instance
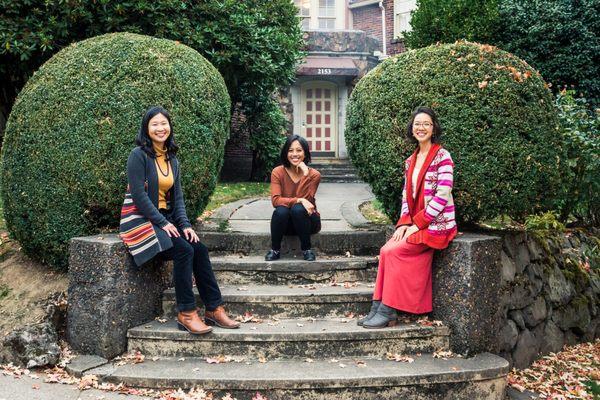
(422, 128)
(295, 153)
(159, 129)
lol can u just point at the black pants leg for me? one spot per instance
(192, 259)
(280, 220)
(304, 225)
(293, 221)
(206, 282)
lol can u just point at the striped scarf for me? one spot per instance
(137, 232)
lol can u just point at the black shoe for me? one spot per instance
(273, 255)
(309, 255)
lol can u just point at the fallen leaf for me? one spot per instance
(399, 358)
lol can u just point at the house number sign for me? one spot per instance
(324, 71)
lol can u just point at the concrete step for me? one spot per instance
(340, 179)
(293, 301)
(244, 270)
(480, 377)
(337, 169)
(288, 339)
(324, 243)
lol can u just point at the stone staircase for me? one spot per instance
(301, 340)
(336, 171)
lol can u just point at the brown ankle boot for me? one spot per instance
(191, 322)
(219, 317)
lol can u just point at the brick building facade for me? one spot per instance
(344, 40)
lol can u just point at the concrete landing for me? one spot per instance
(254, 215)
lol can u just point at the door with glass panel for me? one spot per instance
(319, 118)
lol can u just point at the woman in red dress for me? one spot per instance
(426, 223)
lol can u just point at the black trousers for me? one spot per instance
(191, 259)
(293, 221)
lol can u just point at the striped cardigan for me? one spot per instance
(141, 222)
(432, 208)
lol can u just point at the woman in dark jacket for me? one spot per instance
(154, 224)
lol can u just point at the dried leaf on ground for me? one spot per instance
(248, 318)
(563, 375)
(13, 370)
(133, 357)
(444, 355)
(88, 382)
(399, 358)
(59, 375)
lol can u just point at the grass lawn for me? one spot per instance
(229, 192)
(373, 212)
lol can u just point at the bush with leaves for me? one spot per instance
(499, 120)
(266, 123)
(559, 38)
(255, 44)
(447, 21)
(73, 126)
(580, 128)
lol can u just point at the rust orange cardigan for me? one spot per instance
(284, 192)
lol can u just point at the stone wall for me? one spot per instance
(549, 293)
(340, 41)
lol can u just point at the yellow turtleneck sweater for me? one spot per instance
(165, 176)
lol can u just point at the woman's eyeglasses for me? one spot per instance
(425, 125)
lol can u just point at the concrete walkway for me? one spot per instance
(337, 203)
(27, 388)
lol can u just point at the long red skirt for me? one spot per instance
(404, 276)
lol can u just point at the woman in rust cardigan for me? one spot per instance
(293, 188)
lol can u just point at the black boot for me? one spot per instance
(386, 316)
(374, 307)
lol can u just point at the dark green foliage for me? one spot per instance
(73, 126)
(266, 122)
(560, 38)
(255, 44)
(581, 133)
(447, 21)
(499, 121)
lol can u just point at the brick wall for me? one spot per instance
(393, 46)
(368, 19)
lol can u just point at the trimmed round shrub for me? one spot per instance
(498, 120)
(73, 125)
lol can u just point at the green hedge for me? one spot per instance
(499, 121)
(74, 123)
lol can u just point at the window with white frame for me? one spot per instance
(402, 10)
(319, 14)
(326, 14)
(304, 12)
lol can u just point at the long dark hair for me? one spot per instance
(286, 147)
(437, 128)
(143, 139)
